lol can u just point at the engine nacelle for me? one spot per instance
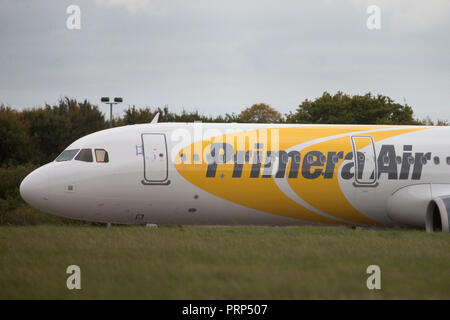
(422, 206)
(408, 205)
(438, 215)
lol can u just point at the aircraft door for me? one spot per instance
(154, 149)
(364, 155)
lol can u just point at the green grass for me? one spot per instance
(221, 263)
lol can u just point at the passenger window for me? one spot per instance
(335, 159)
(101, 155)
(448, 160)
(67, 155)
(323, 159)
(196, 157)
(85, 155)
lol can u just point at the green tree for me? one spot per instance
(345, 109)
(428, 122)
(134, 115)
(14, 140)
(53, 128)
(260, 113)
(84, 117)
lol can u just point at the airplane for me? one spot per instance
(375, 176)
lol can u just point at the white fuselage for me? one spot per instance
(252, 174)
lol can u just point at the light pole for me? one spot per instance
(116, 101)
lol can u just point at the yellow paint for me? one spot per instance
(335, 202)
(263, 193)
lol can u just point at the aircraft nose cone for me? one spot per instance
(34, 188)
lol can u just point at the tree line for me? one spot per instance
(36, 136)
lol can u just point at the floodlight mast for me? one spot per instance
(106, 101)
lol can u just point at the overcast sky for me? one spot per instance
(221, 56)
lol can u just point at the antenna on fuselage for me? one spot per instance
(155, 119)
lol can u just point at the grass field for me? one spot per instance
(221, 263)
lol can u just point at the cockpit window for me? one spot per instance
(67, 155)
(84, 155)
(101, 155)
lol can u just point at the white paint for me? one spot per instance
(113, 192)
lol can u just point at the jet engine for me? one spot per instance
(438, 214)
(424, 206)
